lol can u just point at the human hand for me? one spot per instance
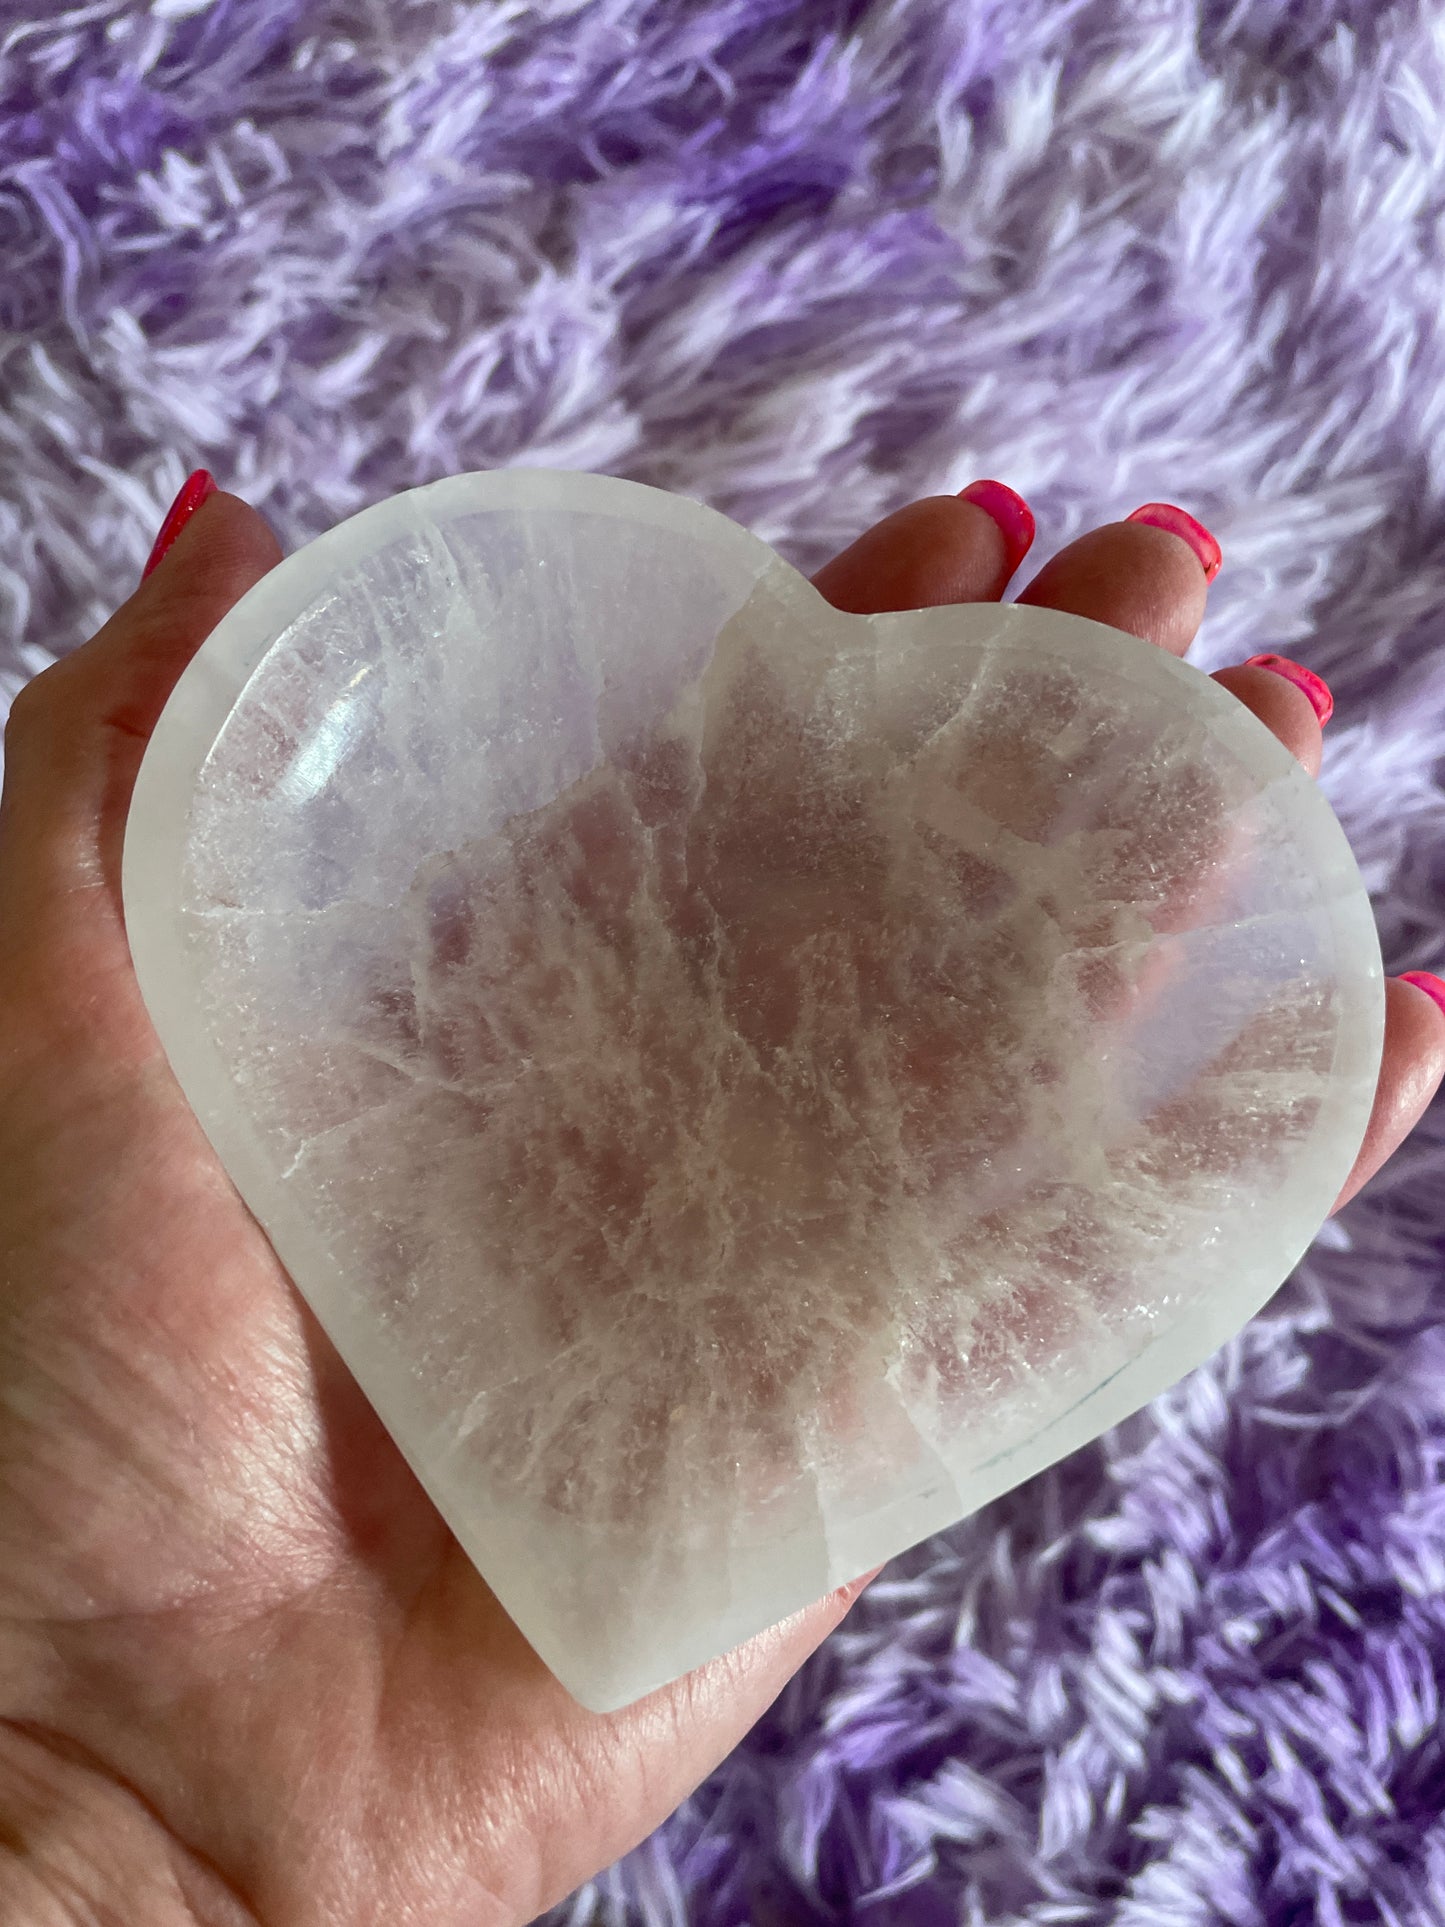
(247, 1674)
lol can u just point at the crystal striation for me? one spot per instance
(742, 1085)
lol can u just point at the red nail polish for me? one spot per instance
(194, 490)
(1176, 521)
(1011, 512)
(1315, 687)
(1432, 986)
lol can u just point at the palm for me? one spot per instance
(193, 1433)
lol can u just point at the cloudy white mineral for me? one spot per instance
(741, 1085)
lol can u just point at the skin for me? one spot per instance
(246, 1675)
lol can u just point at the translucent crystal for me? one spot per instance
(741, 1085)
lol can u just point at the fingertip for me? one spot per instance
(1426, 984)
(1412, 1068)
(222, 549)
(1413, 1059)
(1132, 576)
(1011, 516)
(940, 550)
(1185, 528)
(1282, 706)
(221, 537)
(1313, 686)
(197, 488)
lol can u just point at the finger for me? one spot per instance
(1137, 576)
(1282, 706)
(1411, 1068)
(77, 733)
(946, 548)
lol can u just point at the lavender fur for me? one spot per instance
(808, 259)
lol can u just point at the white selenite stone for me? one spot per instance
(741, 1085)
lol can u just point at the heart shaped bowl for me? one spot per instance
(741, 1085)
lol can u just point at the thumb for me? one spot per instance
(77, 734)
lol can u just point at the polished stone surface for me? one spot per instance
(742, 1085)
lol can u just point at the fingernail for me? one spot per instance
(1012, 513)
(1164, 515)
(194, 490)
(1315, 687)
(1432, 986)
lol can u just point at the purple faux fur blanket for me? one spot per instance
(807, 259)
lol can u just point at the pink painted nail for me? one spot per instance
(1432, 986)
(196, 489)
(1315, 687)
(1012, 513)
(1177, 521)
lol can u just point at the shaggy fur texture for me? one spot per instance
(807, 259)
